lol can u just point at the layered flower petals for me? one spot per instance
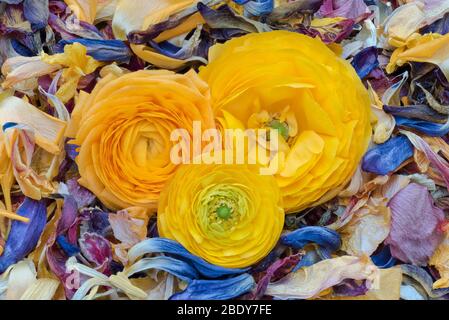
(286, 81)
(124, 127)
(229, 215)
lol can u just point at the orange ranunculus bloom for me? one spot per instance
(123, 129)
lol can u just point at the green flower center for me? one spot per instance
(224, 212)
(220, 208)
(282, 127)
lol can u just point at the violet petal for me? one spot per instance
(420, 112)
(36, 12)
(430, 128)
(97, 250)
(387, 157)
(415, 225)
(216, 289)
(82, 196)
(365, 61)
(23, 237)
(101, 50)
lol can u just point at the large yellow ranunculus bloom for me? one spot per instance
(229, 215)
(315, 100)
(123, 129)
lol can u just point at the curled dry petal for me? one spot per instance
(162, 245)
(385, 158)
(23, 237)
(415, 225)
(308, 282)
(216, 289)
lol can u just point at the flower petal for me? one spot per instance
(430, 128)
(162, 245)
(387, 157)
(365, 61)
(310, 281)
(322, 236)
(216, 289)
(23, 237)
(101, 50)
(415, 225)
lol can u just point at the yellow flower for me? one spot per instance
(123, 129)
(77, 64)
(315, 100)
(227, 214)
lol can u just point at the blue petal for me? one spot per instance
(216, 289)
(8, 125)
(71, 150)
(310, 258)
(387, 157)
(66, 246)
(322, 236)
(11, 1)
(440, 26)
(36, 12)
(430, 128)
(424, 279)
(258, 7)
(21, 49)
(23, 237)
(162, 245)
(101, 50)
(365, 61)
(421, 112)
(384, 259)
(176, 267)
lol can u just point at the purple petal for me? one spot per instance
(276, 271)
(68, 219)
(95, 220)
(23, 237)
(82, 196)
(351, 9)
(350, 288)
(434, 158)
(56, 260)
(71, 150)
(71, 28)
(97, 250)
(365, 61)
(415, 225)
(421, 112)
(387, 157)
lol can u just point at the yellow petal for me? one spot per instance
(49, 131)
(85, 10)
(140, 14)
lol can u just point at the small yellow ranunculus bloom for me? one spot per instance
(229, 215)
(315, 100)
